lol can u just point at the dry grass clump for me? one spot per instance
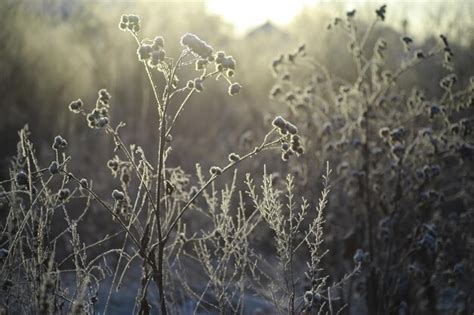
(402, 161)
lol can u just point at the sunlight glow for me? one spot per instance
(245, 14)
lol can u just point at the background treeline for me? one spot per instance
(55, 51)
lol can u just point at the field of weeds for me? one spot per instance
(155, 162)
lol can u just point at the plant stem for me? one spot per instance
(161, 244)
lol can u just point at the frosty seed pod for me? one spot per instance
(21, 178)
(117, 195)
(64, 193)
(233, 157)
(215, 171)
(279, 122)
(198, 85)
(59, 143)
(76, 106)
(84, 183)
(196, 45)
(54, 168)
(234, 89)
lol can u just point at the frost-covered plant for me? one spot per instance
(35, 275)
(298, 284)
(153, 219)
(222, 251)
(401, 160)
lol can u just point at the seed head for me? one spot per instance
(234, 89)
(54, 168)
(84, 183)
(75, 106)
(102, 122)
(113, 165)
(118, 195)
(316, 297)
(144, 52)
(158, 43)
(215, 170)
(196, 45)
(233, 157)
(64, 193)
(224, 62)
(21, 178)
(59, 143)
(198, 85)
(157, 56)
(359, 256)
(130, 22)
(104, 96)
(279, 122)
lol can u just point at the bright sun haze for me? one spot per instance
(246, 14)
